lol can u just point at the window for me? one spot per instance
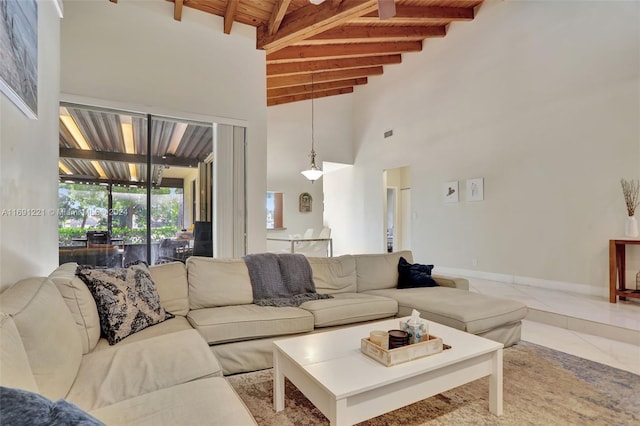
(142, 203)
(274, 210)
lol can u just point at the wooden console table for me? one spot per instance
(617, 260)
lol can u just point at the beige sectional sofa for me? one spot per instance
(50, 344)
(170, 373)
(364, 289)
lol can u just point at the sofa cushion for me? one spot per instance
(23, 407)
(453, 282)
(461, 309)
(126, 371)
(411, 275)
(172, 285)
(348, 308)
(334, 274)
(80, 302)
(126, 298)
(202, 402)
(379, 271)
(15, 371)
(47, 330)
(218, 282)
(232, 323)
(171, 325)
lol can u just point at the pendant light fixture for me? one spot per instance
(314, 172)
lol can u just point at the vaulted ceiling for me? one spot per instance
(330, 48)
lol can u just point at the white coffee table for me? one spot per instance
(349, 387)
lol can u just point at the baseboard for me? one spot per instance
(565, 286)
(581, 325)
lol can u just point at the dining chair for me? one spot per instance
(317, 248)
(98, 238)
(171, 250)
(203, 239)
(302, 245)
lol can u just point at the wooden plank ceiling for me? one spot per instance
(335, 45)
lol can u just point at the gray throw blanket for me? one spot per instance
(281, 279)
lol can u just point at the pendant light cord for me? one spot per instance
(312, 115)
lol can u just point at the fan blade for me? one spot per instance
(386, 9)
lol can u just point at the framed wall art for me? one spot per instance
(305, 202)
(475, 189)
(19, 54)
(450, 192)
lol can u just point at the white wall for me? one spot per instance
(539, 98)
(29, 166)
(135, 54)
(289, 140)
(527, 96)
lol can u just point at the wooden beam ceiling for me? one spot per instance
(320, 77)
(312, 88)
(177, 10)
(334, 37)
(277, 16)
(422, 14)
(310, 20)
(303, 67)
(230, 15)
(302, 53)
(295, 98)
(363, 33)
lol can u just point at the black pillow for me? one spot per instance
(414, 275)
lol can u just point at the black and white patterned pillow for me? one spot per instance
(126, 298)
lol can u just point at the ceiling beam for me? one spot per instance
(295, 98)
(362, 33)
(279, 10)
(321, 77)
(177, 9)
(165, 183)
(230, 15)
(289, 68)
(313, 88)
(300, 53)
(83, 154)
(420, 14)
(310, 20)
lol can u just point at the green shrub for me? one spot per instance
(130, 236)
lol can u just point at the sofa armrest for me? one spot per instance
(454, 282)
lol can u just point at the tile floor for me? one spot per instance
(585, 326)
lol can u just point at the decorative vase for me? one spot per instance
(631, 227)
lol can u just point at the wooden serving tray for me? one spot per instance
(389, 357)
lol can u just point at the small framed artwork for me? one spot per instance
(475, 189)
(451, 192)
(305, 202)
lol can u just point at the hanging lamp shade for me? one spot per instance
(314, 172)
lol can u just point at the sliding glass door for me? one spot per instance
(149, 187)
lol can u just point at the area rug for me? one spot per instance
(542, 386)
